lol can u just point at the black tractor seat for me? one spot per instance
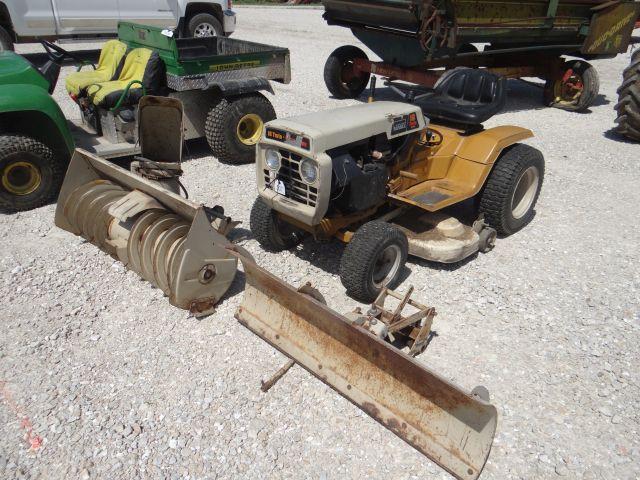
(465, 98)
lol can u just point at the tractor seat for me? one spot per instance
(465, 97)
(142, 68)
(109, 66)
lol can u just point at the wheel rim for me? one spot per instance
(249, 129)
(525, 192)
(386, 266)
(21, 178)
(204, 30)
(568, 89)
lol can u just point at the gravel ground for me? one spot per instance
(118, 384)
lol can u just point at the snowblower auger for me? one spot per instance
(453, 428)
(178, 245)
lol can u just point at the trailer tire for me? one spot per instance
(628, 106)
(235, 125)
(560, 94)
(30, 173)
(510, 194)
(205, 25)
(6, 42)
(339, 76)
(273, 234)
(375, 245)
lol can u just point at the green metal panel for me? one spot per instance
(22, 98)
(16, 70)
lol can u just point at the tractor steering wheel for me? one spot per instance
(56, 54)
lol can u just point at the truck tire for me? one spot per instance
(373, 260)
(628, 106)
(512, 189)
(270, 232)
(339, 76)
(578, 91)
(30, 174)
(235, 125)
(6, 42)
(204, 25)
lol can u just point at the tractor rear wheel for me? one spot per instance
(510, 194)
(235, 125)
(340, 77)
(272, 233)
(628, 106)
(576, 89)
(30, 173)
(373, 260)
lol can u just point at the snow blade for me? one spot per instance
(174, 243)
(453, 428)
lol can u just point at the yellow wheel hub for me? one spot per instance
(249, 129)
(21, 178)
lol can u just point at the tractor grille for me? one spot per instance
(289, 174)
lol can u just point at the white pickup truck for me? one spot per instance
(28, 20)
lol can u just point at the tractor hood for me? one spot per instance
(334, 128)
(15, 69)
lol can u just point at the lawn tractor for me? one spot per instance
(219, 80)
(419, 40)
(379, 177)
(143, 219)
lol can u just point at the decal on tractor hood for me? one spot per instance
(289, 138)
(404, 123)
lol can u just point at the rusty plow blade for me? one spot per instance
(453, 428)
(174, 243)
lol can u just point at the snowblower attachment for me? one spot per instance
(178, 245)
(453, 428)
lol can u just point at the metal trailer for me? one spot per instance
(419, 39)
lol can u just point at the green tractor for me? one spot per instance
(218, 80)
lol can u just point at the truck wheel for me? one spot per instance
(339, 75)
(205, 25)
(6, 43)
(512, 189)
(628, 106)
(30, 174)
(271, 232)
(235, 125)
(373, 260)
(576, 89)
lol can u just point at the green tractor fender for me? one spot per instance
(29, 110)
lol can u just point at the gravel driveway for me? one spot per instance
(120, 385)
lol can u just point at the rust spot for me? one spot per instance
(319, 367)
(277, 337)
(348, 387)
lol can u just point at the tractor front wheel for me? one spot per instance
(235, 125)
(30, 174)
(373, 260)
(628, 106)
(576, 89)
(512, 189)
(272, 233)
(340, 76)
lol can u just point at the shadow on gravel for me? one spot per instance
(611, 134)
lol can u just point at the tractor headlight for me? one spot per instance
(272, 159)
(308, 170)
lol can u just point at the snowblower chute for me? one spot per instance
(453, 428)
(176, 244)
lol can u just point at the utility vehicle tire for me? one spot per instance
(628, 106)
(373, 260)
(578, 92)
(30, 174)
(512, 189)
(205, 25)
(270, 232)
(6, 43)
(339, 76)
(235, 125)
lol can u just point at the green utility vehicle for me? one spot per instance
(219, 80)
